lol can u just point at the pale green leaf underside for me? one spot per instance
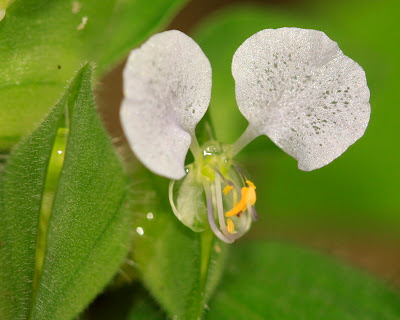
(43, 42)
(55, 270)
(281, 282)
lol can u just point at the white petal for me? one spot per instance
(167, 88)
(297, 87)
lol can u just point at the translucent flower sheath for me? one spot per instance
(214, 179)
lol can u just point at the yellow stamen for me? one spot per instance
(227, 189)
(230, 225)
(248, 197)
(251, 184)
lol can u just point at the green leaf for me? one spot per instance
(43, 42)
(276, 281)
(181, 268)
(64, 230)
(282, 282)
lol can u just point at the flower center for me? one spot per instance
(222, 178)
(215, 175)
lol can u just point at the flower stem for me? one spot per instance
(247, 136)
(220, 206)
(195, 147)
(210, 214)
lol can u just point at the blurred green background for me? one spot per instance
(350, 208)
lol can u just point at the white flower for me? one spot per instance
(293, 85)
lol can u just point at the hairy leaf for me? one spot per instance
(64, 230)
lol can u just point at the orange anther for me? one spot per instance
(248, 197)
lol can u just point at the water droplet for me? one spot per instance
(140, 231)
(150, 216)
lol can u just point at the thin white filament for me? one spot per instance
(171, 197)
(210, 215)
(228, 182)
(253, 213)
(241, 174)
(220, 207)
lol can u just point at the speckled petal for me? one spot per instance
(167, 88)
(297, 87)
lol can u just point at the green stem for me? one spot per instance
(248, 135)
(195, 148)
(207, 241)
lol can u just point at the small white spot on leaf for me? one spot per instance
(83, 23)
(76, 7)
